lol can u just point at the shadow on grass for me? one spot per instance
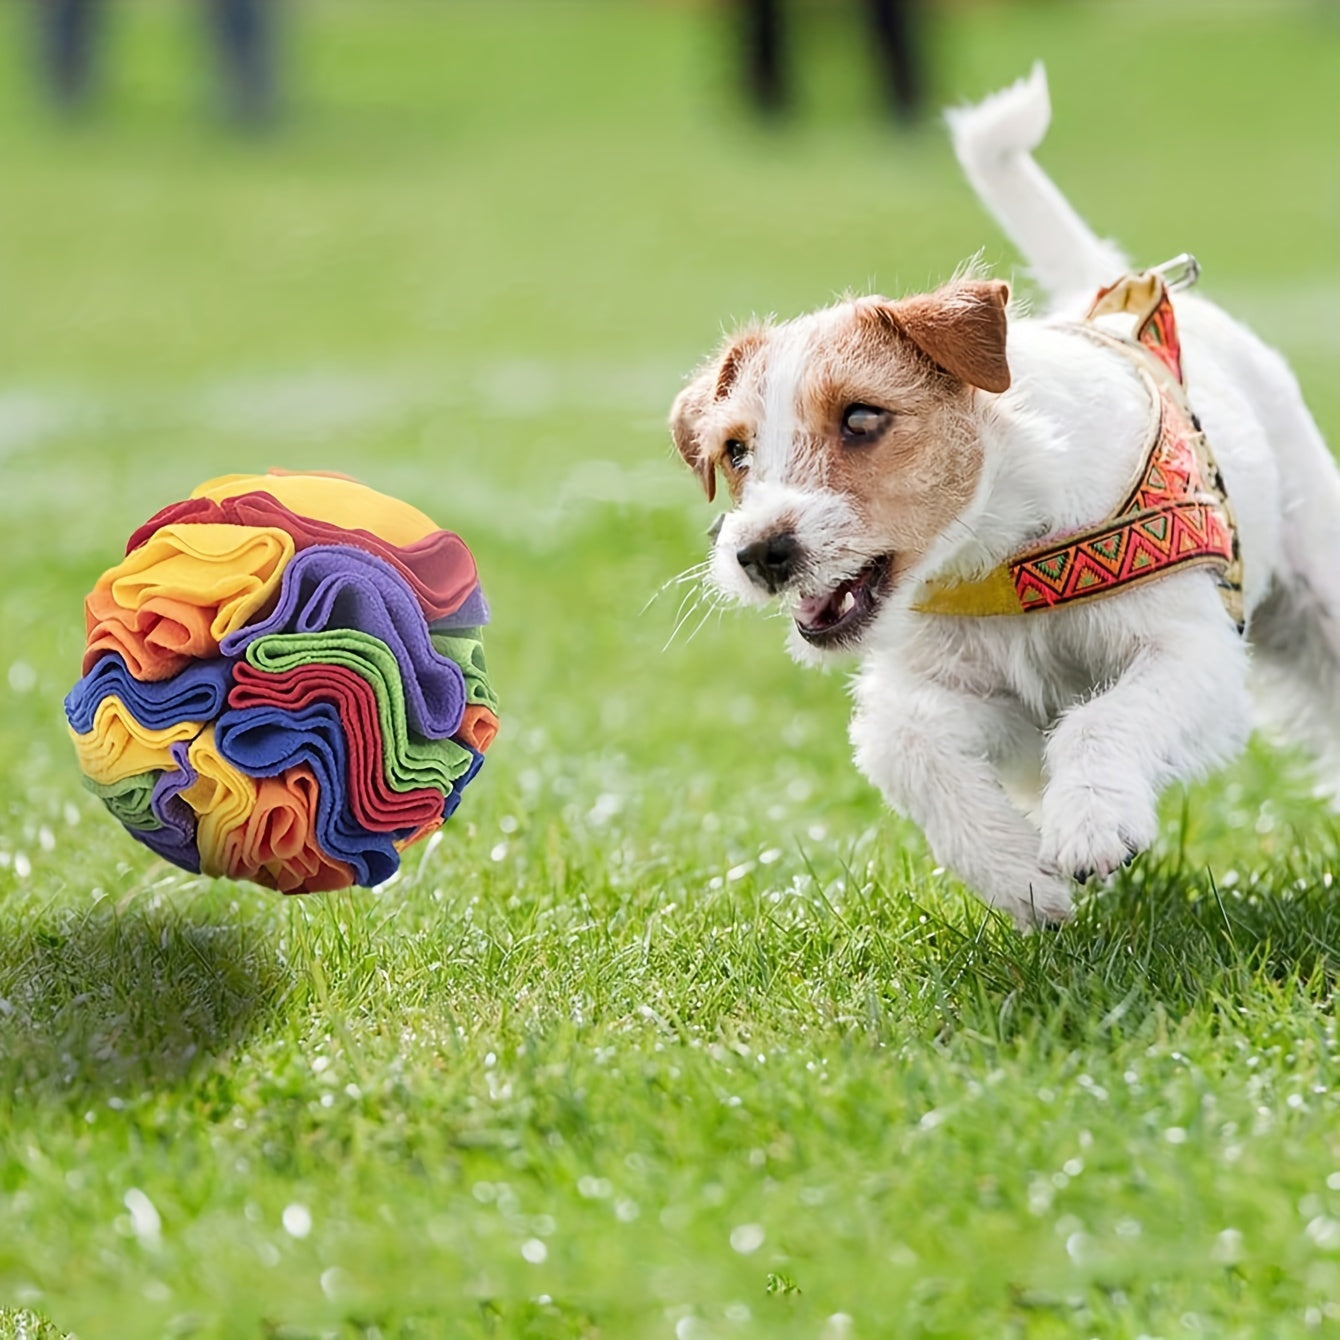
(1161, 943)
(101, 1000)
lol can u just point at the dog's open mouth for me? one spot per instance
(837, 618)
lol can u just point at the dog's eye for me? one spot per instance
(737, 453)
(863, 423)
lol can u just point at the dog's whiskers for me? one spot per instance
(694, 573)
(687, 608)
(715, 606)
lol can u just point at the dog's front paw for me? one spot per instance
(1088, 833)
(1035, 899)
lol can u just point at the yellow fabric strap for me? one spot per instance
(992, 594)
(1156, 353)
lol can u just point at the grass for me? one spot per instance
(675, 1032)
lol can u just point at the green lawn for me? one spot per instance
(675, 1033)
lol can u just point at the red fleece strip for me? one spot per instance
(439, 568)
(372, 801)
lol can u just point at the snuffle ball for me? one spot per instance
(284, 681)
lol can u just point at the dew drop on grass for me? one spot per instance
(1325, 1232)
(534, 1251)
(1077, 1247)
(144, 1220)
(333, 1282)
(22, 677)
(746, 1238)
(607, 806)
(297, 1220)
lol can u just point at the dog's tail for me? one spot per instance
(994, 141)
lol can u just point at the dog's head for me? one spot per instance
(848, 441)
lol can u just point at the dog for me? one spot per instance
(882, 453)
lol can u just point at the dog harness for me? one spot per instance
(1175, 515)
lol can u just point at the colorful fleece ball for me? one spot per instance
(284, 681)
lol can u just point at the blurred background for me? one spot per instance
(467, 249)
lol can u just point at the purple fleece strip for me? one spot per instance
(335, 586)
(473, 613)
(175, 841)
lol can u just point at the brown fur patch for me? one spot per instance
(685, 418)
(910, 484)
(960, 328)
(700, 417)
(919, 358)
(743, 346)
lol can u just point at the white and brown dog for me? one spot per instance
(879, 449)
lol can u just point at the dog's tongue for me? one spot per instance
(815, 611)
(811, 609)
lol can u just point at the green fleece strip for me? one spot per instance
(131, 799)
(411, 761)
(466, 648)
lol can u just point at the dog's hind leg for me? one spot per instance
(1296, 673)
(1295, 629)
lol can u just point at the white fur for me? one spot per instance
(994, 142)
(1121, 696)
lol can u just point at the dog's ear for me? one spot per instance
(686, 415)
(960, 328)
(713, 384)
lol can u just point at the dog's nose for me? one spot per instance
(770, 562)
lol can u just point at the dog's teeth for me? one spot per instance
(848, 604)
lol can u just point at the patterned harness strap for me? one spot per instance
(1176, 514)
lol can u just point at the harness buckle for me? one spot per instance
(1179, 273)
